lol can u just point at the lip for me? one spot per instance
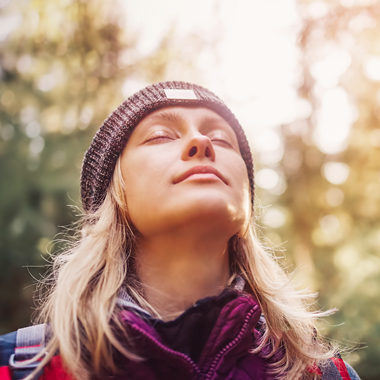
(200, 169)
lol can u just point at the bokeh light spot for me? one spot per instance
(334, 121)
(335, 172)
(274, 217)
(328, 71)
(46, 82)
(24, 64)
(36, 145)
(267, 178)
(7, 131)
(33, 129)
(334, 197)
(372, 68)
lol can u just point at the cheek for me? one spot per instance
(133, 170)
(240, 177)
(144, 187)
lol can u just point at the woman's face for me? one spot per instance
(182, 167)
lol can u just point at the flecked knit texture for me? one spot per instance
(100, 159)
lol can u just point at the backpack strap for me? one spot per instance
(30, 341)
(333, 369)
(337, 367)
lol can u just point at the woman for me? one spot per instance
(168, 280)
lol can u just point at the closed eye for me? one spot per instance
(221, 141)
(158, 137)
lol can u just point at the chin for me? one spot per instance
(209, 212)
(214, 211)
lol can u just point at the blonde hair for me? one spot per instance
(85, 279)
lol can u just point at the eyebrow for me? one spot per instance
(205, 120)
(174, 117)
(170, 116)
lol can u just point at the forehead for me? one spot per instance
(177, 114)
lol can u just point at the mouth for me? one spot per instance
(201, 171)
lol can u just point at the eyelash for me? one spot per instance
(222, 140)
(159, 136)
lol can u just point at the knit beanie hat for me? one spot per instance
(100, 159)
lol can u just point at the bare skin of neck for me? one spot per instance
(179, 268)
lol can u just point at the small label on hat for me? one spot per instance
(176, 93)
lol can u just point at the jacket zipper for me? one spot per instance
(217, 358)
(231, 344)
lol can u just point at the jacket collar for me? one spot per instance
(126, 301)
(217, 339)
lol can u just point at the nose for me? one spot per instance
(199, 146)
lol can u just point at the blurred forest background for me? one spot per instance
(65, 65)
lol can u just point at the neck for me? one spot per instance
(177, 270)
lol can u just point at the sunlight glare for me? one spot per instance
(372, 68)
(334, 121)
(328, 71)
(9, 23)
(252, 67)
(317, 9)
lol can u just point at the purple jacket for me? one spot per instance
(211, 340)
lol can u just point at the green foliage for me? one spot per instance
(60, 77)
(63, 68)
(332, 233)
(62, 71)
